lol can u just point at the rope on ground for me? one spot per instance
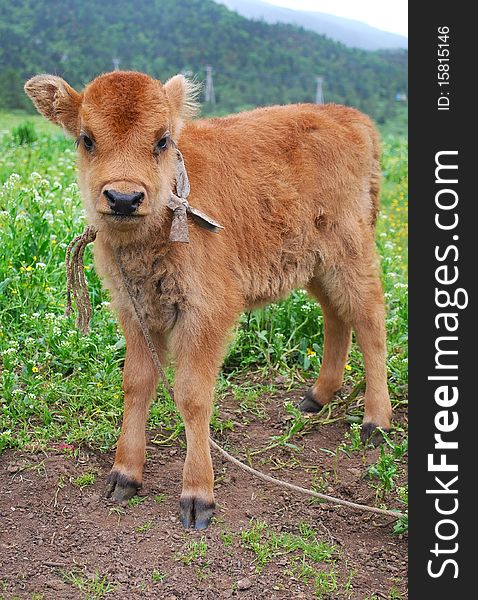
(301, 490)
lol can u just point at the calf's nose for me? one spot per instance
(123, 204)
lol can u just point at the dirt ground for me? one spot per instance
(54, 532)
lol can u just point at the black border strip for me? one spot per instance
(432, 131)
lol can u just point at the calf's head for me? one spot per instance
(125, 124)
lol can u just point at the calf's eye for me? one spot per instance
(162, 144)
(87, 143)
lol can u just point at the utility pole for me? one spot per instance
(209, 91)
(319, 94)
(116, 64)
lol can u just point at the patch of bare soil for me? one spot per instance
(52, 530)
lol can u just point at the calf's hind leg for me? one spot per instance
(369, 326)
(355, 293)
(139, 384)
(337, 336)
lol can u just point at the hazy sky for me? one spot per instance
(389, 15)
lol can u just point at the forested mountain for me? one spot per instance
(254, 63)
(348, 31)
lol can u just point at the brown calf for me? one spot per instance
(296, 188)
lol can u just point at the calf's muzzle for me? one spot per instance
(123, 204)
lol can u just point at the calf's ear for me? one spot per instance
(55, 100)
(182, 96)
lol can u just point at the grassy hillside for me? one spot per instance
(254, 63)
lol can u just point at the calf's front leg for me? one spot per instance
(197, 365)
(139, 385)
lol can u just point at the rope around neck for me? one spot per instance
(75, 279)
(181, 208)
(76, 286)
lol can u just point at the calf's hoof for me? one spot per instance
(195, 513)
(309, 404)
(370, 434)
(121, 488)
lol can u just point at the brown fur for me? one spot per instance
(296, 188)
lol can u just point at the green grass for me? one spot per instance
(84, 480)
(249, 398)
(401, 526)
(351, 441)
(25, 133)
(383, 474)
(194, 551)
(136, 501)
(11, 119)
(158, 576)
(308, 558)
(227, 538)
(297, 424)
(268, 545)
(145, 527)
(58, 386)
(386, 468)
(94, 587)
